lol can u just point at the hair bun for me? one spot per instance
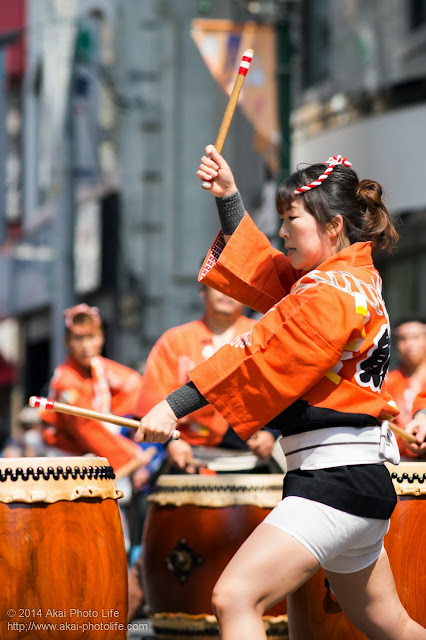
(371, 192)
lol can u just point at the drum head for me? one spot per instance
(261, 490)
(52, 479)
(409, 478)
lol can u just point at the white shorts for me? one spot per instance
(340, 541)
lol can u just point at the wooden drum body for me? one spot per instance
(314, 613)
(62, 554)
(194, 525)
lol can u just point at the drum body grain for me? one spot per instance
(62, 551)
(194, 526)
(314, 613)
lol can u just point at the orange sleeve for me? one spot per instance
(248, 268)
(419, 402)
(290, 349)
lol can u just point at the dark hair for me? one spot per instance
(413, 317)
(365, 216)
(82, 321)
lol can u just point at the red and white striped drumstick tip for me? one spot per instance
(245, 62)
(41, 403)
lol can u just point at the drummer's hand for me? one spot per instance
(180, 453)
(216, 170)
(158, 424)
(261, 444)
(417, 427)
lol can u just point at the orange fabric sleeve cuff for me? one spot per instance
(258, 283)
(419, 402)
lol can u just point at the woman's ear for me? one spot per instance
(336, 226)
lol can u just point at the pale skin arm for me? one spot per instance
(216, 170)
(417, 427)
(261, 444)
(180, 453)
(158, 424)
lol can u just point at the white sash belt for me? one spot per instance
(337, 446)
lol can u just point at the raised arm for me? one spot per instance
(217, 171)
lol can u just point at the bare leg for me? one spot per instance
(267, 567)
(370, 600)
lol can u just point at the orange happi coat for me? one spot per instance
(171, 359)
(419, 402)
(323, 341)
(73, 385)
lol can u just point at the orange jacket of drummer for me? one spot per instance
(319, 354)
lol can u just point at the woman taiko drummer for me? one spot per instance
(313, 366)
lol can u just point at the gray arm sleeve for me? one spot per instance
(185, 400)
(231, 212)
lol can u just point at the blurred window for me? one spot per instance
(417, 13)
(316, 41)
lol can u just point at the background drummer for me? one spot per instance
(89, 380)
(179, 350)
(409, 378)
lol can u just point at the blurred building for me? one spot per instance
(108, 105)
(115, 106)
(359, 89)
(12, 70)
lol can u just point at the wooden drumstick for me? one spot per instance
(407, 437)
(232, 103)
(52, 405)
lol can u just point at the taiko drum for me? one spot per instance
(194, 525)
(62, 554)
(314, 614)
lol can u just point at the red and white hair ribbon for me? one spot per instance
(332, 162)
(84, 309)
